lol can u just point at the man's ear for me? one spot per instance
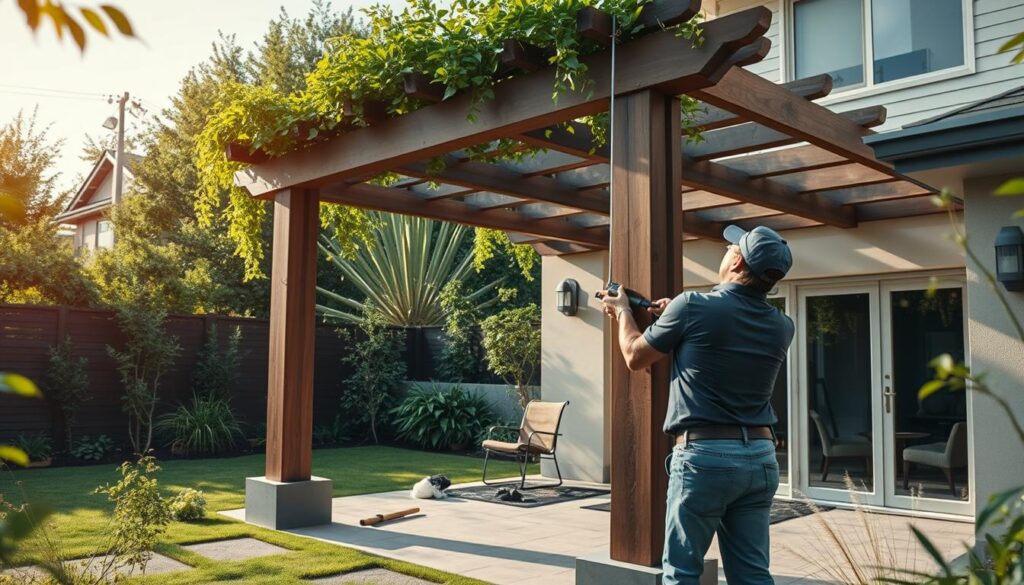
(738, 264)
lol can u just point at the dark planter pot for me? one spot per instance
(41, 463)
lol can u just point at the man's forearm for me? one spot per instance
(629, 333)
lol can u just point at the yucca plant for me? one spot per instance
(402, 271)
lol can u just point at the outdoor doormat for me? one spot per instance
(531, 498)
(782, 510)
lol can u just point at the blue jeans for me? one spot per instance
(723, 486)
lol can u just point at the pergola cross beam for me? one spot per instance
(660, 60)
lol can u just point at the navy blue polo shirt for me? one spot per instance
(727, 347)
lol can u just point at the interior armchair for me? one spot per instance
(537, 435)
(946, 455)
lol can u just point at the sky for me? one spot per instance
(70, 89)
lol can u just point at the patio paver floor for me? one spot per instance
(534, 546)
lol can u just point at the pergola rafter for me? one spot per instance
(770, 156)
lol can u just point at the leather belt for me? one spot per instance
(723, 432)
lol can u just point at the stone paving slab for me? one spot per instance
(157, 565)
(236, 549)
(371, 577)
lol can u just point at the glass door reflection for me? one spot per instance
(838, 345)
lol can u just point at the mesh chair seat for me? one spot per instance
(513, 448)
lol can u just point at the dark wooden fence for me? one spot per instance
(28, 332)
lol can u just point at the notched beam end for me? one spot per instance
(237, 152)
(421, 87)
(665, 13)
(594, 24)
(524, 56)
(752, 53)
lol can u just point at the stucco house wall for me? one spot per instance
(995, 349)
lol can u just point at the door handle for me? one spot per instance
(888, 394)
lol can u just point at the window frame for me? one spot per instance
(868, 86)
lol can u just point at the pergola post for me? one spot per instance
(646, 256)
(288, 496)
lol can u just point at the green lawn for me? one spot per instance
(82, 518)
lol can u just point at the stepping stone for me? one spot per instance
(371, 577)
(157, 565)
(236, 549)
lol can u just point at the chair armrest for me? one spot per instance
(490, 430)
(529, 439)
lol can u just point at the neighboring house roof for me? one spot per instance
(85, 202)
(983, 131)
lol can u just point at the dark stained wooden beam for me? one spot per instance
(809, 88)
(579, 142)
(491, 177)
(702, 228)
(787, 160)
(236, 152)
(755, 98)
(401, 201)
(659, 60)
(292, 336)
(524, 56)
(751, 136)
(594, 24)
(556, 248)
(665, 13)
(422, 87)
(720, 179)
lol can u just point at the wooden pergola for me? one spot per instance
(770, 156)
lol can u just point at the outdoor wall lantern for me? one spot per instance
(568, 293)
(1010, 258)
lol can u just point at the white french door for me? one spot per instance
(862, 352)
(839, 403)
(916, 325)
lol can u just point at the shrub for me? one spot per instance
(216, 371)
(459, 363)
(92, 449)
(330, 435)
(140, 513)
(379, 368)
(207, 426)
(37, 446)
(148, 354)
(512, 347)
(67, 382)
(439, 419)
(188, 505)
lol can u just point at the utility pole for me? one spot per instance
(119, 155)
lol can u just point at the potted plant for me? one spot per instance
(38, 447)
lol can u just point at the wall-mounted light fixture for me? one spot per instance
(568, 294)
(1010, 258)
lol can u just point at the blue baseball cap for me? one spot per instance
(763, 249)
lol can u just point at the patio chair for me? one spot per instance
(946, 455)
(537, 435)
(839, 447)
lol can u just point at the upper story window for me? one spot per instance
(104, 226)
(899, 38)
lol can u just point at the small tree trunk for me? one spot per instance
(373, 427)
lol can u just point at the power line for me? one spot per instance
(52, 90)
(50, 95)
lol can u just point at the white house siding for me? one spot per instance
(995, 21)
(86, 235)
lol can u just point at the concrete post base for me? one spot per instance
(600, 569)
(283, 505)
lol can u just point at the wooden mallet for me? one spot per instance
(373, 520)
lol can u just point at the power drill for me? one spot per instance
(635, 299)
